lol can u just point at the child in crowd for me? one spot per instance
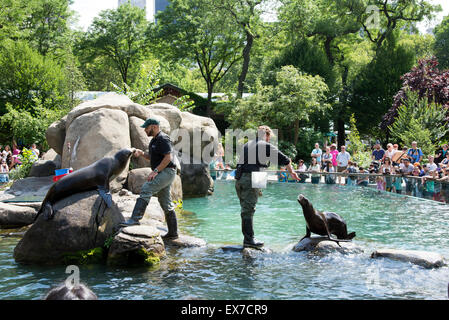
(351, 180)
(329, 178)
(315, 167)
(4, 171)
(301, 169)
(428, 181)
(417, 184)
(361, 180)
(283, 175)
(397, 180)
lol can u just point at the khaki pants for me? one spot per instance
(248, 195)
(160, 185)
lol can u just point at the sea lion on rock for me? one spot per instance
(93, 177)
(324, 223)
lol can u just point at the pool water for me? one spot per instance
(381, 220)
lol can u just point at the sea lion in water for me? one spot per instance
(324, 223)
(93, 177)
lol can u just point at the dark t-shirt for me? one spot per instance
(159, 146)
(378, 154)
(252, 159)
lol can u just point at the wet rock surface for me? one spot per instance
(323, 245)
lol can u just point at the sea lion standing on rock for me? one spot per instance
(93, 177)
(324, 223)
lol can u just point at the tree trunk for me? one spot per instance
(341, 132)
(209, 100)
(245, 66)
(295, 138)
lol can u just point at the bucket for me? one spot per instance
(259, 179)
(62, 171)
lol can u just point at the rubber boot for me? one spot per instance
(138, 212)
(172, 225)
(248, 234)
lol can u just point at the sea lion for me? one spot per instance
(93, 177)
(324, 223)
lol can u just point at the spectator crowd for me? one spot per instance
(10, 159)
(406, 170)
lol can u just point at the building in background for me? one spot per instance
(151, 6)
(159, 5)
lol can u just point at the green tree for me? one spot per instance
(48, 25)
(356, 147)
(117, 36)
(26, 75)
(195, 31)
(293, 100)
(421, 121)
(380, 18)
(246, 15)
(441, 45)
(377, 83)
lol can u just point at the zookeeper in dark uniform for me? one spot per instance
(159, 181)
(248, 195)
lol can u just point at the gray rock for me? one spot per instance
(422, 258)
(32, 186)
(253, 253)
(35, 205)
(81, 222)
(196, 180)
(323, 245)
(141, 245)
(126, 205)
(185, 241)
(169, 112)
(139, 140)
(43, 168)
(55, 135)
(95, 135)
(13, 216)
(51, 155)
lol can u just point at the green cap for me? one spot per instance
(149, 122)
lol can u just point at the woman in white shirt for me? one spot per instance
(315, 167)
(389, 153)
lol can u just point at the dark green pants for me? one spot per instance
(248, 195)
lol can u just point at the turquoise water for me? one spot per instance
(381, 220)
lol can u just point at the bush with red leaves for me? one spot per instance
(428, 81)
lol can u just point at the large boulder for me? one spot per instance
(422, 258)
(196, 180)
(153, 213)
(81, 222)
(323, 245)
(168, 112)
(13, 216)
(55, 135)
(202, 133)
(100, 127)
(139, 140)
(137, 177)
(95, 135)
(136, 245)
